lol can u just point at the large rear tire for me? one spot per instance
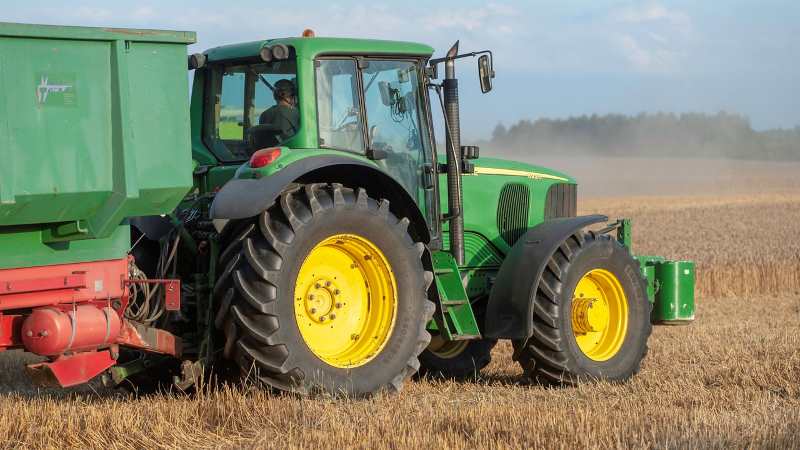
(591, 315)
(325, 292)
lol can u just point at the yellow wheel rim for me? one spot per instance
(599, 315)
(345, 300)
(445, 349)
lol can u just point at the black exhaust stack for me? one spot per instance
(453, 143)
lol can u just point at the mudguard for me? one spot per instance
(244, 198)
(509, 312)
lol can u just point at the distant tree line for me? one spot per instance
(722, 135)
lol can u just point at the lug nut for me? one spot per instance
(333, 316)
(29, 333)
(327, 284)
(44, 333)
(338, 305)
(317, 285)
(322, 319)
(354, 337)
(311, 297)
(367, 257)
(313, 310)
(336, 292)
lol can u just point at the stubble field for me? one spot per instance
(732, 379)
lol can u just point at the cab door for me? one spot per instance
(397, 129)
(378, 108)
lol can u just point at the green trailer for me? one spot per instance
(295, 221)
(94, 131)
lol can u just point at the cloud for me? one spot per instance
(635, 53)
(657, 38)
(651, 37)
(144, 12)
(493, 16)
(648, 58)
(651, 13)
(90, 14)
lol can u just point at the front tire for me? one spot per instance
(591, 315)
(325, 292)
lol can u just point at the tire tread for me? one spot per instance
(255, 257)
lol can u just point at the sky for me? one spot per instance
(552, 59)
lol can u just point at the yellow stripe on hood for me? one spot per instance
(517, 173)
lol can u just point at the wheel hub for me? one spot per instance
(589, 315)
(323, 299)
(345, 300)
(599, 314)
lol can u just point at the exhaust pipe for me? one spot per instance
(453, 143)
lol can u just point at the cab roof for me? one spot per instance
(311, 47)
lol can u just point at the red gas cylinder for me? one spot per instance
(50, 331)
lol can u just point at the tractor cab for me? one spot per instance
(340, 94)
(361, 100)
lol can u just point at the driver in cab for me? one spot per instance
(284, 116)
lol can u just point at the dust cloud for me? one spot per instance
(632, 176)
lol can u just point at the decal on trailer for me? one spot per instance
(55, 89)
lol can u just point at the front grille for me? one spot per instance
(561, 201)
(512, 211)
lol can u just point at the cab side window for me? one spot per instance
(230, 124)
(255, 106)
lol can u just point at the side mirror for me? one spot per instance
(485, 73)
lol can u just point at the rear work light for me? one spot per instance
(264, 157)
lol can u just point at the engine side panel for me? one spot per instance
(502, 200)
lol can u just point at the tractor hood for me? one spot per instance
(504, 198)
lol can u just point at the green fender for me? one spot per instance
(509, 313)
(243, 198)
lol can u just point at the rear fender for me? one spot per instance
(241, 198)
(245, 198)
(509, 312)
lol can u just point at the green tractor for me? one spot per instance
(327, 243)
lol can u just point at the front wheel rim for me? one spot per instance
(599, 315)
(346, 300)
